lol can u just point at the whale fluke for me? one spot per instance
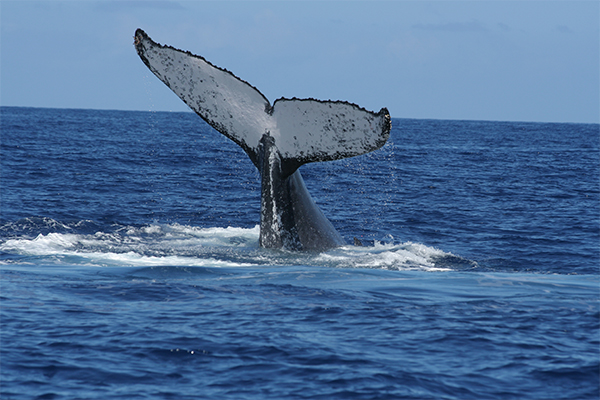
(278, 138)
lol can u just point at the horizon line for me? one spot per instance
(405, 118)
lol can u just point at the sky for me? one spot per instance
(463, 60)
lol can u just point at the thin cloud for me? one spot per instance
(564, 29)
(112, 6)
(457, 27)
(503, 27)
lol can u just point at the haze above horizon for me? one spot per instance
(504, 61)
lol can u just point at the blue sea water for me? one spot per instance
(130, 265)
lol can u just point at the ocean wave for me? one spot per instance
(182, 245)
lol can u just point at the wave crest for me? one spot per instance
(181, 245)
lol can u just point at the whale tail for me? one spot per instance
(304, 130)
(278, 138)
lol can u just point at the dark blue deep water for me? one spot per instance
(130, 266)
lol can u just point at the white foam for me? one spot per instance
(404, 256)
(52, 243)
(180, 245)
(151, 245)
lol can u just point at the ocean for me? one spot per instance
(130, 265)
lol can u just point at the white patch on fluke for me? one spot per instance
(222, 100)
(315, 129)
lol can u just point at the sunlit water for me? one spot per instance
(131, 268)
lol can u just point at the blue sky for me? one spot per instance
(481, 60)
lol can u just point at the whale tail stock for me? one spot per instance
(294, 131)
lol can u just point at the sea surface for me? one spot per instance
(130, 266)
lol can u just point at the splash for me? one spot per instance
(181, 245)
(403, 256)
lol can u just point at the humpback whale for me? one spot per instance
(278, 138)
